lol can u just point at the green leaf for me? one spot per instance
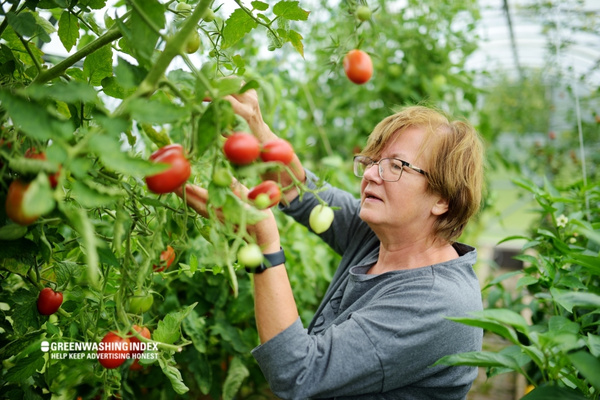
(236, 27)
(236, 374)
(34, 119)
(30, 24)
(109, 151)
(80, 221)
(504, 316)
(169, 328)
(217, 116)
(38, 199)
(526, 281)
(593, 343)
(479, 359)
(91, 194)
(25, 367)
(492, 326)
(296, 40)
(195, 327)
(290, 10)
(69, 92)
(590, 262)
(25, 314)
(553, 393)
(143, 38)
(173, 374)
(98, 65)
(259, 5)
(12, 232)
(68, 29)
(570, 299)
(155, 112)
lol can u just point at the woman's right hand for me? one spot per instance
(246, 106)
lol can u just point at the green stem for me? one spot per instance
(47, 75)
(33, 58)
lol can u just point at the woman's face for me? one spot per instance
(405, 206)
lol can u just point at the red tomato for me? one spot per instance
(166, 259)
(271, 188)
(241, 148)
(136, 366)
(40, 155)
(358, 66)
(113, 350)
(277, 150)
(49, 301)
(169, 180)
(14, 204)
(145, 332)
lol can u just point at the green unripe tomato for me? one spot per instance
(221, 177)
(209, 15)
(320, 218)
(193, 43)
(262, 201)
(363, 13)
(140, 302)
(183, 8)
(250, 255)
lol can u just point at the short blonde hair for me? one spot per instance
(455, 153)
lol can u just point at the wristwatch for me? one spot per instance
(270, 260)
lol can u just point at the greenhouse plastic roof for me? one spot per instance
(564, 38)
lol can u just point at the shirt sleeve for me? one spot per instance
(346, 221)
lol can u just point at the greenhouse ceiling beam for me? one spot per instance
(512, 38)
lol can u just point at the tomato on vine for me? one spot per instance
(113, 350)
(40, 155)
(178, 172)
(320, 218)
(49, 301)
(266, 194)
(277, 150)
(221, 177)
(193, 43)
(241, 148)
(358, 66)
(14, 204)
(363, 13)
(140, 302)
(166, 259)
(250, 255)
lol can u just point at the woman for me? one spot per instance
(382, 322)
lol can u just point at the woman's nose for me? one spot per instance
(372, 173)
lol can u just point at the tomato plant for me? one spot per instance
(166, 259)
(363, 13)
(134, 341)
(193, 43)
(241, 148)
(113, 350)
(14, 204)
(49, 301)
(320, 218)
(358, 66)
(178, 172)
(266, 193)
(279, 150)
(40, 155)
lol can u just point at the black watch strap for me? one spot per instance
(270, 260)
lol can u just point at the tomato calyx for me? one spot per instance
(175, 176)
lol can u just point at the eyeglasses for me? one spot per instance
(390, 169)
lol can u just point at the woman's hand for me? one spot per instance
(265, 231)
(246, 106)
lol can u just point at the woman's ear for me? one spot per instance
(440, 207)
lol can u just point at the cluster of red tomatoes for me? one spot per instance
(117, 349)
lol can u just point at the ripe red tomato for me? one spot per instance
(169, 180)
(270, 188)
(145, 332)
(358, 66)
(49, 301)
(241, 148)
(166, 259)
(113, 350)
(136, 366)
(277, 150)
(40, 155)
(14, 204)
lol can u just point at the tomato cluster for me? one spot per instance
(166, 259)
(117, 349)
(243, 148)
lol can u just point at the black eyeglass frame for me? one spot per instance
(380, 169)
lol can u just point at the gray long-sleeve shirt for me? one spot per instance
(376, 336)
